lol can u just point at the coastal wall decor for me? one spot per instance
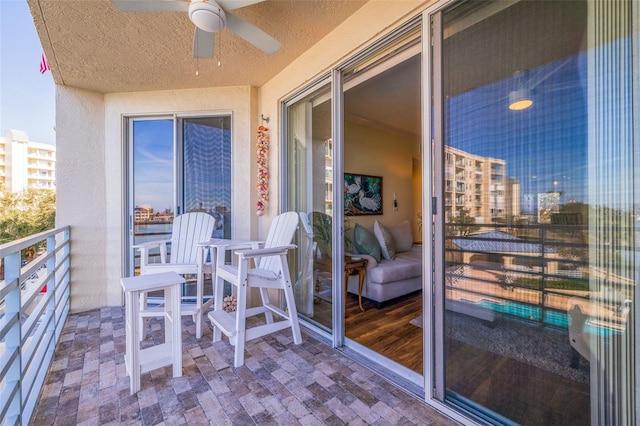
(362, 195)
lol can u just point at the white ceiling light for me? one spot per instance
(520, 99)
(207, 16)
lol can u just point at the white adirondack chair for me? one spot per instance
(306, 281)
(264, 268)
(187, 258)
(588, 343)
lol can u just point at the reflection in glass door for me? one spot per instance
(536, 211)
(206, 165)
(310, 191)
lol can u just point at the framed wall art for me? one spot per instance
(362, 195)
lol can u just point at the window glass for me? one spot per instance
(539, 220)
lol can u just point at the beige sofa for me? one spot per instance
(393, 277)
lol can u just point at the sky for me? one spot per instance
(27, 98)
(545, 146)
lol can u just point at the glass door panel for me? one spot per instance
(152, 182)
(310, 191)
(168, 178)
(538, 222)
(207, 169)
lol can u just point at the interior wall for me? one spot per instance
(376, 152)
(417, 198)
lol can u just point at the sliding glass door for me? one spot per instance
(367, 122)
(536, 225)
(310, 191)
(176, 165)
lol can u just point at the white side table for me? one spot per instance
(138, 360)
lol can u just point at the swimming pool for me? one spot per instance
(522, 310)
(555, 318)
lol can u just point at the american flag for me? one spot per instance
(44, 65)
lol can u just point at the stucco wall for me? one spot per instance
(81, 200)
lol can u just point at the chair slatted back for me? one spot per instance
(188, 230)
(280, 234)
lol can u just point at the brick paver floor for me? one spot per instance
(280, 383)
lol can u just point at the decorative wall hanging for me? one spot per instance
(362, 195)
(263, 168)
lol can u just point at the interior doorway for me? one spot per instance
(382, 189)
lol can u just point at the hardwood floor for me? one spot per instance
(387, 330)
(513, 388)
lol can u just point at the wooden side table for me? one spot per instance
(352, 266)
(138, 360)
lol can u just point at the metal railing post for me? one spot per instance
(13, 338)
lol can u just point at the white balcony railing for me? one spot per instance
(34, 304)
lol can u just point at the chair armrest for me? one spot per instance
(271, 251)
(222, 246)
(150, 244)
(234, 244)
(144, 251)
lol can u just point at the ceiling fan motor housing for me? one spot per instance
(207, 15)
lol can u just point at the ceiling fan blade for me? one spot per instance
(253, 35)
(544, 73)
(203, 42)
(236, 4)
(151, 5)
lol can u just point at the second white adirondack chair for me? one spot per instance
(186, 258)
(306, 280)
(264, 268)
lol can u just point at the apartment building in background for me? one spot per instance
(26, 164)
(480, 186)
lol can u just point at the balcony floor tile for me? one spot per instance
(280, 383)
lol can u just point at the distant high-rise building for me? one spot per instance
(479, 185)
(26, 164)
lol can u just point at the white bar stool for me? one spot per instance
(138, 360)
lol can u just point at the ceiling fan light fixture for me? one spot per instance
(520, 99)
(207, 16)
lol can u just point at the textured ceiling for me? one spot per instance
(93, 45)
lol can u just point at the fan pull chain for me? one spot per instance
(196, 49)
(219, 37)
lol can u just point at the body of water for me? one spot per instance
(534, 313)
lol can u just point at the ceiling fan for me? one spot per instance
(209, 17)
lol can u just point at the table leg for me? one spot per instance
(360, 284)
(346, 284)
(176, 325)
(132, 315)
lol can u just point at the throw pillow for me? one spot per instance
(402, 236)
(365, 242)
(387, 245)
